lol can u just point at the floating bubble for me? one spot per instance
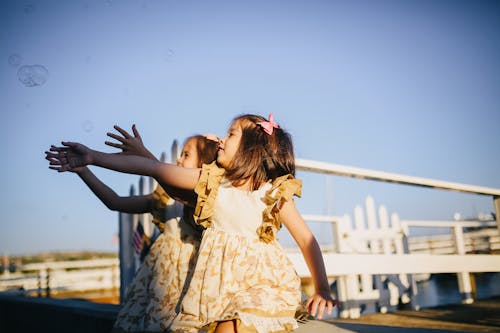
(15, 60)
(88, 126)
(168, 55)
(29, 9)
(32, 76)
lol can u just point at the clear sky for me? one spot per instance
(411, 87)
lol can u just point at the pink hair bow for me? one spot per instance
(268, 126)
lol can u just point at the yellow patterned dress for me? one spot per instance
(152, 300)
(242, 272)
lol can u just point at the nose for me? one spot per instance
(179, 161)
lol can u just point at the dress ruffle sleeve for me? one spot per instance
(283, 189)
(160, 199)
(206, 189)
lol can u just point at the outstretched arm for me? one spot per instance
(74, 155)
(133, 204)
(130, 204)
(312, 254)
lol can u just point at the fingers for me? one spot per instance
(211, 136)
(321, 308)
(49, 154)
(115, 145)
(313, 307)
(56, 160)
(58, 149)
(58, 155)
(125, 134)
(58, 164)
(59, 169)
(136, 133)
(117, 137)
(316, 305)
(330, 305)
(69, 144)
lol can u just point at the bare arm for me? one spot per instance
(134, 204)
(312, 254)
(74, 155)
(129, 204)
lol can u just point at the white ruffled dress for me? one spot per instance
(241, 272)
(153, 298)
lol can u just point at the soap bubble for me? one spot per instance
(168, 55)
(32, 76)
(88, 126)
(29, 9)
(15, 60)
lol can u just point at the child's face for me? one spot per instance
(189, 155)
(229, 145)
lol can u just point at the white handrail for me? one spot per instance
(446, 224)
(93, 263)
(349, 171)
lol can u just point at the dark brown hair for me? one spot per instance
(260, 156)
(205, 148)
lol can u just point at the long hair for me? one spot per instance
(205, 148)
(260, 156)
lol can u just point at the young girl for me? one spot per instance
(154, 294)
(243, 280)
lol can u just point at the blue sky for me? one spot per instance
(411, 87)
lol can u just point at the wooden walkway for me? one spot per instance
(79, 316)
(480, 316)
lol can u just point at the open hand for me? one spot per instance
(71, 157)
(130, 145)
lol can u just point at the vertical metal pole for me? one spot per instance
(126, 251)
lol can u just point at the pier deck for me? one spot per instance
(480, 316)
(22, 314)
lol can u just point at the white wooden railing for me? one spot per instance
(49, 278)
(373, 259)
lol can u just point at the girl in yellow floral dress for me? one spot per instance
(153, 297)
(243, 280)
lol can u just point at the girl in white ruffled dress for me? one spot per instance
(153, 297)
(243, 280)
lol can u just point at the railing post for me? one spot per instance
(126, 252)
(339, 232)
(41, 281)
(47, 282)
(376, 248)
(412, 283)
(464, 283)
